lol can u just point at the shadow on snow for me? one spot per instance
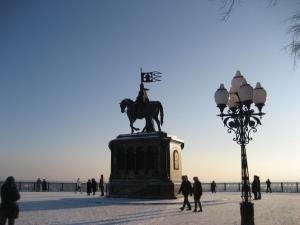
(71, 203)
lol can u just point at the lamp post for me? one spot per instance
(241, 120)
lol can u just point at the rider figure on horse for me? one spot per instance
(142, 97)
(141, 102)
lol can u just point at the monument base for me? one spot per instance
(154, 189)
(145, 165)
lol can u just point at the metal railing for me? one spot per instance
(30, 186)
(283, 187)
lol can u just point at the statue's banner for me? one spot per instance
(147, 77)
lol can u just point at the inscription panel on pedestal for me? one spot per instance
(176, 160)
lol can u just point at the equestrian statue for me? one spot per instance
(142, 107)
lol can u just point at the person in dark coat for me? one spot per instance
(44, 185)
(268, 182)
(197, 192)
(94, 186)
(38, 184)
(213, 187)
(254, 187)
(186, 190)
(101, 185)
(89, 187)
(258, 188)
(9, 209)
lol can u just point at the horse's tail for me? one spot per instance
(161, 112)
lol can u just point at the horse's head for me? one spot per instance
(125, 103)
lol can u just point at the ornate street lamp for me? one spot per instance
(241, 120)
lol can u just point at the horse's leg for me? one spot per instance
(150, 125)
(157, 122)
(131, 126)
(131, 121)
(146, 125)
(155, 117)
(134, 119)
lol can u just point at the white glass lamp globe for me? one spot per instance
(233, 100)
(221, 97)
(259, 96)
(245, 93)
(237, 81)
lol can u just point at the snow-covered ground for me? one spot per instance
(218, 209)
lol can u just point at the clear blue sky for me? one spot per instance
(65, 66)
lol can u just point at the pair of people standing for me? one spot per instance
(256, 188)
(92, 186)
(39, 183)
(186, 189)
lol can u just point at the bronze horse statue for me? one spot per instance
(149, 111)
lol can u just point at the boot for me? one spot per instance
(200, 208)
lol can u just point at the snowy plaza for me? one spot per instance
(149, 103)
(60, 208)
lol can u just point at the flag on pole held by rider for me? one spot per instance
(148, 77)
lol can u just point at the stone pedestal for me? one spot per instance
(145, 165)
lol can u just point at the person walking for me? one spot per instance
(94, 186)
(213, 187)
(186, 190)
(9, 209)
(101, 185)
(197, 192)
(268, 182)
(89, 187)
(78, 186)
